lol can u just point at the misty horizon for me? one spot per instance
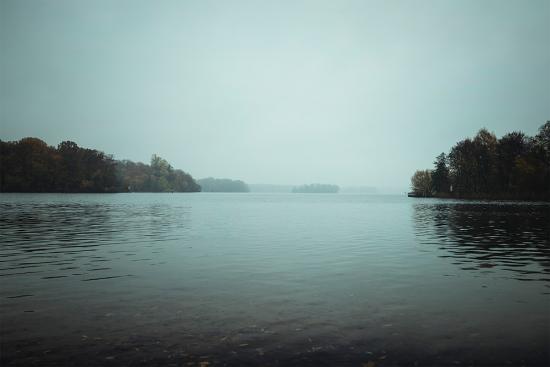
(274, 187)
(356, 93)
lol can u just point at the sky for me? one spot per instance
(282, 92)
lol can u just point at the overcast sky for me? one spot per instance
(345, 92)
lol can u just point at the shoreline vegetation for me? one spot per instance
(514, 167)
(31, 165)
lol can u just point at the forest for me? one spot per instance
(515, 167)
(31, 165)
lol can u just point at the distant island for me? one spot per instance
(31, 165)
(211, 184)
(316, 189)
(515, 167)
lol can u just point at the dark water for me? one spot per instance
(259, 279)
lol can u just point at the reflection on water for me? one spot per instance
(56, 240)
(231, 279)
(506, 236)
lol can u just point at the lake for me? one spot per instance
(272, 279)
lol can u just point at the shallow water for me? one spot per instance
(272, 279)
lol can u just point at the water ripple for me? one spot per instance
(511, 237)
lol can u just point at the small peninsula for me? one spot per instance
(31, 165)
(514, 167)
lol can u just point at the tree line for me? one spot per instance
(516, 166)
(31, 165)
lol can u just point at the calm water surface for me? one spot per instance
(272, 279)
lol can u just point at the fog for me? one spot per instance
(354, 93)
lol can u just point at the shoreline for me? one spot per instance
(484, 197)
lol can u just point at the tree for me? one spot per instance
(509, 148)
(485, 144)
(461, 167)
(440, 175)
(542, 139)
(421, 183)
